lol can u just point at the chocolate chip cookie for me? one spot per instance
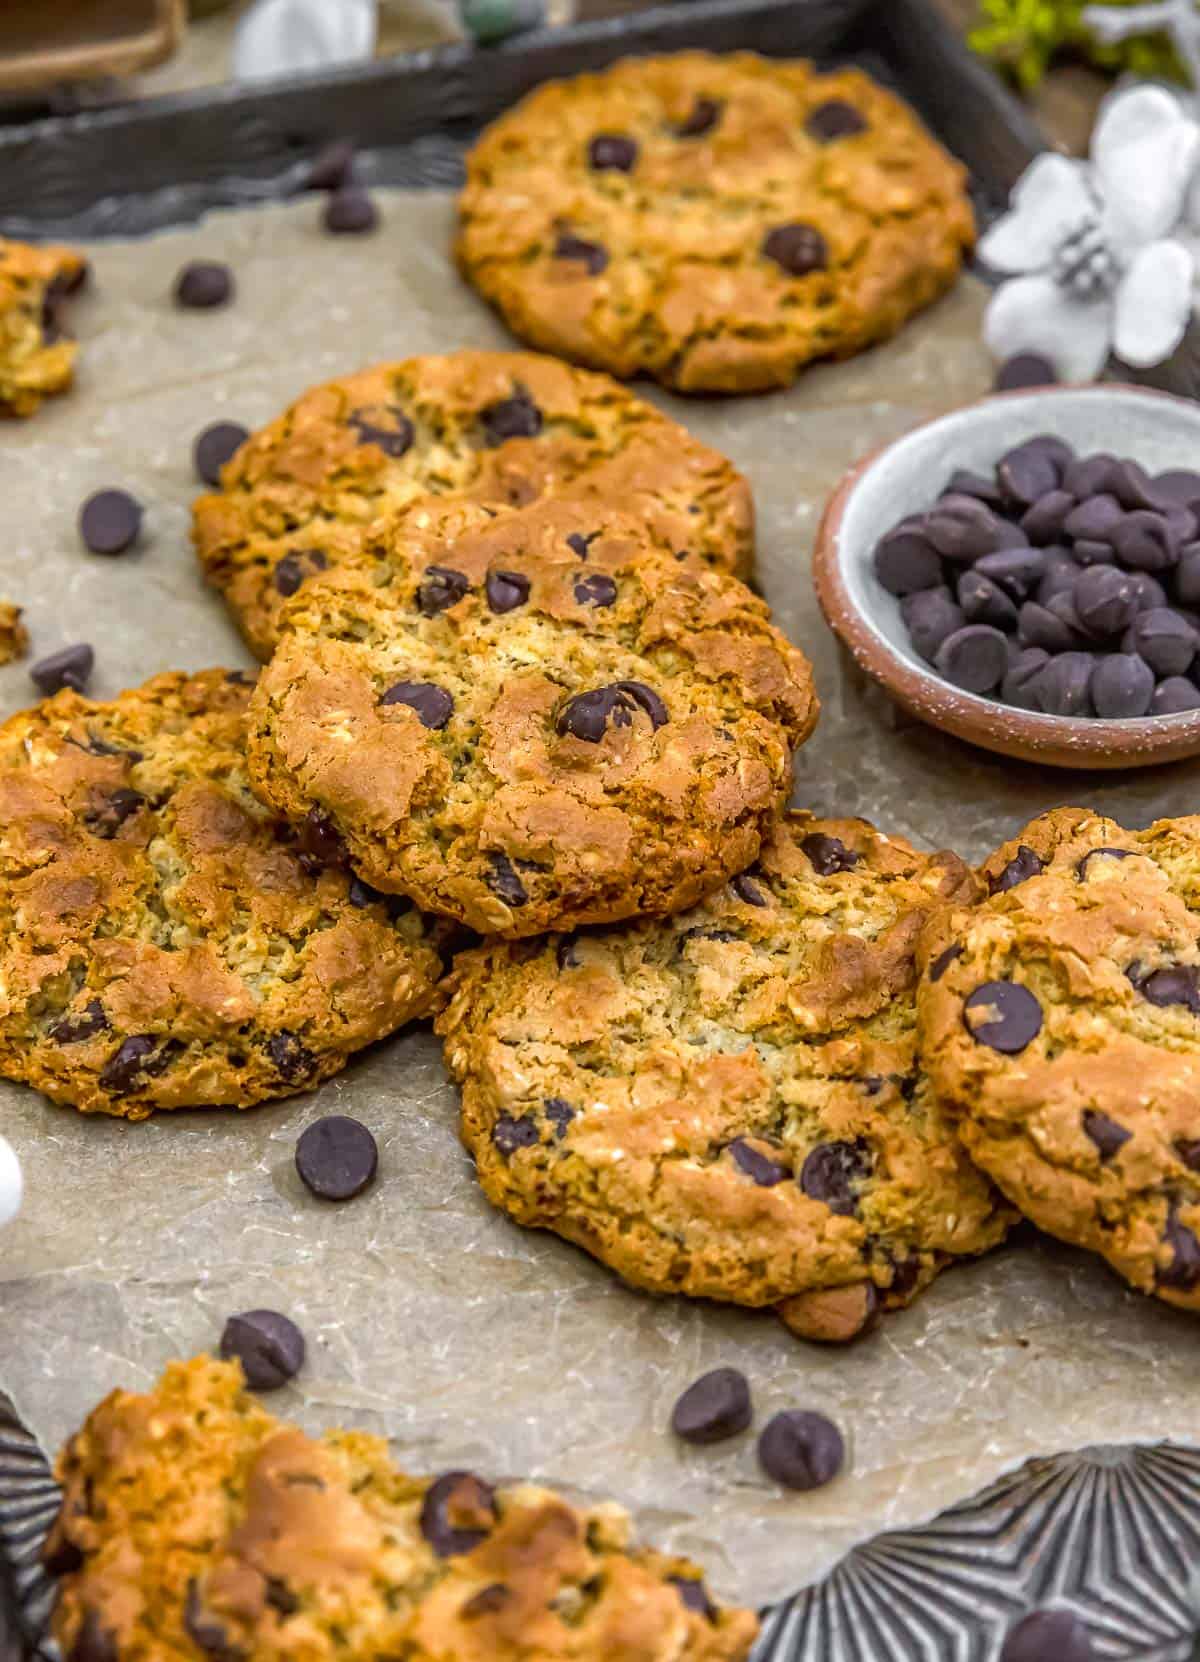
(728, 1103)
(531, 720)
(165, 941)
(194, 1524)
(498, 427)
(715, 222)
(37, 358)
(1061, 1025)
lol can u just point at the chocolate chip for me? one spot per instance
(290, 1059)
(1030, 471)
(280, 1597)
(1174, 697)
(1093, 475)
(109, 522)
(205, 1633)
(485, 1602)
(1188, 1150)
(320, 842)
(1019, 686)
(268, 1345)
(503, 881)
(517, 417)
(439, 589)
(1048, 1636)
(1095, 519)
(827, 855)
(1184, 1268)
(703, 117)
(963, 530)
(1174, 984)
(337, 1157)
(118, 806)
(457, 1513)
(93, 1642)
(595, 590)
(506, 590)
(612, 153)
(332, 167)
(128, 1063)
(801, 1450)
(70, 667)
(796, 249)
(1122, 687)
(433, 704)
(943, 961)
(1106, 601)
(203, 284)
(215, 446)
(1131, 484)
(1059, 577)
(974, 658)
(963, 482)
(1150, 592)
(1004, 1016)
(1187, 575)
(1165, 639)
(290, 573)
(565, 955)
(929, 616)
(1016, 570)
(60, 1556)
(350, 211)
(361, 894)
(73, 1030)
(579, 544)
(835, 119)
(831, 1170)
(1145, 542)
(1081, 868)
(590, 255)
(693, 1595)
(384, 425)
(1108, 1136)
(983, 601)
(559, 1113)
(765, 1172)
(1086, 553)
(1064, 687)
(906, 562)
(509, 1134)
(1039, 626)
(1023, 865)
(715, 1406)
(1177, 486)
(1044, 521)
(746, 889)
(1025, 369)
(1062, 607)
(588, 715)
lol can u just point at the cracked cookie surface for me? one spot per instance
(503, 428)
(715, 222)
(1061, 1025)
(531, 719)
(196, 1525)
(36, 357)
(727, 1103)
(164, 941)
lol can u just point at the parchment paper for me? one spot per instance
(430, 1317)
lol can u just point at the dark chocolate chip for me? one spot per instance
(983, 601)
(1145, 542)
(361, 894)
(906, 562)
(1108, 1136)
(517, 417)
(1064, 687)
(1150, 592)
(1025, 369)
(828, 855)
(486, 1601)
(118, 806)
(432, 704)
(801, 1450)
(1015, 570)
(1043, 522)
(1019, 686)
(1048, 1636)
(291, 571)
(1059, 577)
(579, 544)
(205, 1633)
(746, 889)
(963, 482)
(439, 589)
(506, 590)
(765, 1172)
(1131, 483)
(1178, 486)
(94, 1642)
(60, 1556)
(290, 1059)
(70, 667)
(337, 1157)
(1184, 1269)
(128, 1063)
(591, 255)
(1062, 606)
(1095, 519)
(974, 658)
(831, 1170)
(509, 1134)
(588, 715)
(1039, 626)
(596, 589)
(457, 1513)
(332, 167)
(1094, 475)
(559, 1113)
(796, 249)
(943, 961)
(1174, 984)
(1188, 1150)
(384, 425)
(963, 530)
(1174, 697)
(1106, 601)
(1009, 1016)
(715, 1406)
(1081, 868)
(109, 522)
(1023, 865)
(279, 1596)
(73, 1030)
(1187, 575)
(203, 284)
(1165, 639)
(1122, 687)
(503, 881)
(1085, 553)
(702, 118)
(215, 446)
(930, 616)
(612, 153)
(565, 955)
(835, 119)
(320, 842)
(1030, 471)
(268, 1345)
(693, 1595)
(350, 211)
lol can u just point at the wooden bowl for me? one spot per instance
(904, 477)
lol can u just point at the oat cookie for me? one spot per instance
(37, 358)
(164, 941)
(531, 719)
(196, 1525)
(1061, 1025)
(497, 427)
(727, 1103)
(716, 222)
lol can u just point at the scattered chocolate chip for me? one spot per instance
(503, 881)
(383, 425)
(1004, 1016)
(486, 1601)
(439, 589)
(703, 117)
(126, 1065)
(517, 417)
(1023, 865)
(801, 1450)
(94, 1642)
(765, 1172)
(588, 715)
(1025, 369)
(591, 255)
(203, 284)
(70, 667)
(930, 616)
(559, 1113)
(1184, 1269)
(289, 574)
(830, 1172)
(1064, 687)
(319, 841)
(332, 167)
(215, 446)
(1019, 686)
(906, 562)
(290, 1059)
(506, 590)
(118, 806)
(612, 153)
(509, 1134)
(1048, 1636)
(457, 1513)
(1081, 868)
(73, 1030)
(974, 658)
(694, 1596)
(268, 1345)
(205, 1633)
(109, 522)
(943, 961)
(350, 211)
(1174, 697)
(1108, 1136)
(747, 890)
(337, 1157)
(1174, 984)
(827, 855)
(596, 589)
(432, 704)
(1122, 687)
(715, 1406)
(796, 249)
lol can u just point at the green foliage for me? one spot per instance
(1023, 36)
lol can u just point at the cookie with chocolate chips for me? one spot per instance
(728, 1103)
(195, 1524)
(715, 222)
(531, 720)
(1061, 1025)
(167, 942)
(37, 355)
(504, 428)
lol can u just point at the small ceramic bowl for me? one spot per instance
(1153, 428)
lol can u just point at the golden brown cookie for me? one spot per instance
(716, 222)
(14, 637)
(498, 427)
(1061, 1025)
(728, 1103)
(531, 719)
(195, 1525)
(165, 942)
(36, 357)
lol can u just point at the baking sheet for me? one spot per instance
(430, 1317)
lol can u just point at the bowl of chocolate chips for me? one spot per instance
(1025, 574)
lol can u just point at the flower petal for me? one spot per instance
(1153, 304)
(1032, 314)
(1050, 196)
(1145, 151)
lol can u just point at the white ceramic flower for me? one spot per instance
(294, 37)
(10, 1183)
(1100, 269)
